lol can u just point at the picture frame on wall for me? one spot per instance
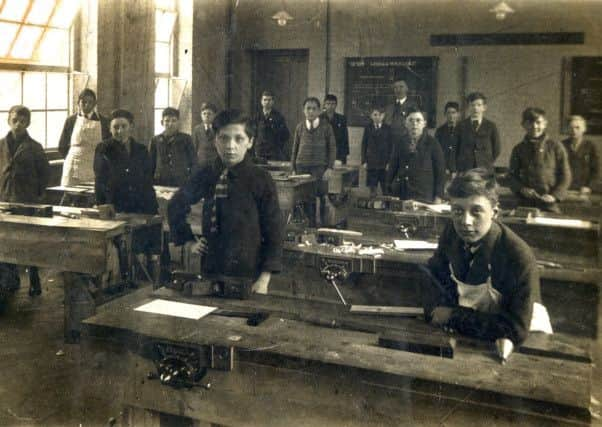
(582, 91)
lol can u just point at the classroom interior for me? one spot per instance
(146, 55)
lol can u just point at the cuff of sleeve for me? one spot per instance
(181, 235)
(273, 266)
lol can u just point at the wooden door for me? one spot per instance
(284, 73)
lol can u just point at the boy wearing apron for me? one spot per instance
(485, 278)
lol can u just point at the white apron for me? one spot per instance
(79, 163)
(486, 298)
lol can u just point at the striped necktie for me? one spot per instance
(221, 192)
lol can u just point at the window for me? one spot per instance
(35, 42)
(46, 94)
(165, 20)
(36, 31)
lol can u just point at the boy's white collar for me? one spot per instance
(314, 124)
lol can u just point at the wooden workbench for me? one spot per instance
(295, 367)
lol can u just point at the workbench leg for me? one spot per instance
(79, 304)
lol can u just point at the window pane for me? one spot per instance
(164, 23)
(10, 89)
(63, 16)
(162, 93)
(34, 91)
(56, 120)
(162, 58)
(40, 12)
(158, 126)
(58, 91)
(54, 48)
(26, 42)
(8, 32)
(37, 128)
(14, 10)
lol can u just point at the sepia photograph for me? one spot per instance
(300, 213)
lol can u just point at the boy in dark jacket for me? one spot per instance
(339, 127)
(173, 157)
(376, 150)
(123, 170)
(584, 158)
(485, 278)
(24, 173)
(539, 171)
(242, 232)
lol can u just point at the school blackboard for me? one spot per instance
(586, 91)
(368, 81)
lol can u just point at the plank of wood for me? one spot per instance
(383, 310)
(526, 376)
(433, 344)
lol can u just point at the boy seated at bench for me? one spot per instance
(485, 281)
(242, 232)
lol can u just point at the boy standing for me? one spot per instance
(446, 134)
(339, 127)
(173, 158)
(24, 172)
(376, 150)
(241, 216)
(478, 141)
(485, 277)
(203, 136)
(583, 156)
(123, 170)
(314, 153)
(539, 168)
(417, 168)
(271, 142)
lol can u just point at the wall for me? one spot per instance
(513, 77)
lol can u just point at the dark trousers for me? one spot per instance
(9, 277)
(317, 172)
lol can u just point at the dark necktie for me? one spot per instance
(221, 192)
(475, 125)
(451, 130)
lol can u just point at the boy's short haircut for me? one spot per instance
(474, 96)
(20, 110)
(474, 182)
(531, 114)
(234, 117)
(416, 110)
(377, 107)
(86, 92)
(577, 118)
(208, 106)
(311, 99)
(267, 93)
(122, 114)
(331, 97)
(170, 112)
(452, 104)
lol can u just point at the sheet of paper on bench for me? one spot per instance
(414, 245)
(176, 309)
(560, 222)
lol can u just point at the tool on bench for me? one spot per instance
(190, 284)
(332, 273)
(24, 209)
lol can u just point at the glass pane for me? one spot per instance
(40, 12)
(64, 14)
(162, 93)
(8, 32)
(34, 91)
(54, 48)
(164, 23)
(56, 120)
(37, 128)
(158, 126)
(26, 42)
(3, 124)
(14, 10)
(162, 58)
(58, 91)
(10, 89)
(165, 4)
